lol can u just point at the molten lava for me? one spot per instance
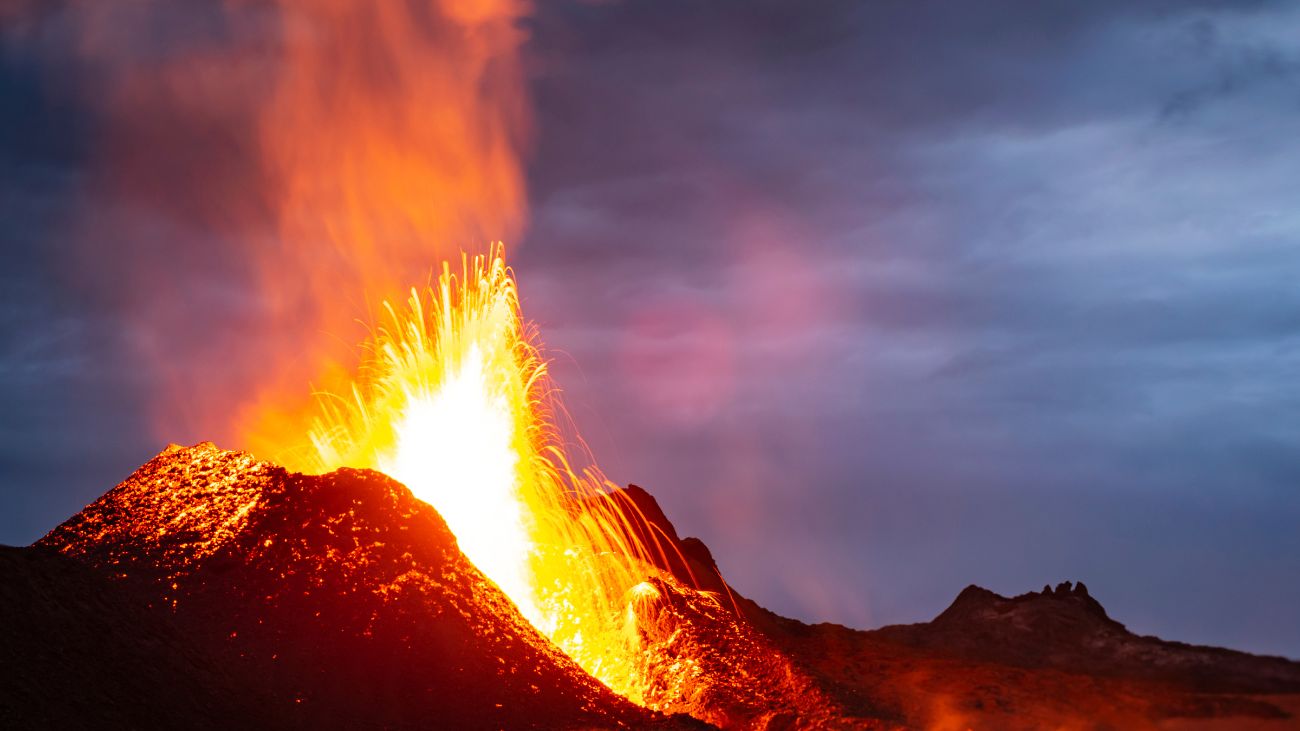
(391, 130)
(453, 400)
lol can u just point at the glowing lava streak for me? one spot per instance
(453, 448)
(452, 399)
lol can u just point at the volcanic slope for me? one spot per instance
(1044, 660)
(699, 655)
(339, 601)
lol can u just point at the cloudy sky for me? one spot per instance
(879, 299)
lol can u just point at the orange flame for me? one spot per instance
(394, 130)
(394, 134)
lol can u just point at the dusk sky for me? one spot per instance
(879, 299)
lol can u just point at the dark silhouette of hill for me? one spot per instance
(341, 599)
(1066, 629)
(1044, 660)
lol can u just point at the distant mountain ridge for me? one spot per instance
(1066, 628)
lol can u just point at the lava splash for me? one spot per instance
(452, 399)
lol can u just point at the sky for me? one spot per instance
(878, 299)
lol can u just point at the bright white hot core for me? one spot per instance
(454, 450)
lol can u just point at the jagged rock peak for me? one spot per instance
(1065, 589)
(976, 601)
(975, 594)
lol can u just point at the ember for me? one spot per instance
(453, 400)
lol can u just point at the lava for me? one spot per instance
(392, 135)
(452, 398)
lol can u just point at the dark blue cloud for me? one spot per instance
(1049, 252)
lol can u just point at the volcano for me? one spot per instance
(211, 589)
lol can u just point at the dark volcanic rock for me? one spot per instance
(78, 649)
(342, 598)
(734, 677)
(1051, 659)
(708, 660)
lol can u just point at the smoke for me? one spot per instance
(394, 134)
(264, 175)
